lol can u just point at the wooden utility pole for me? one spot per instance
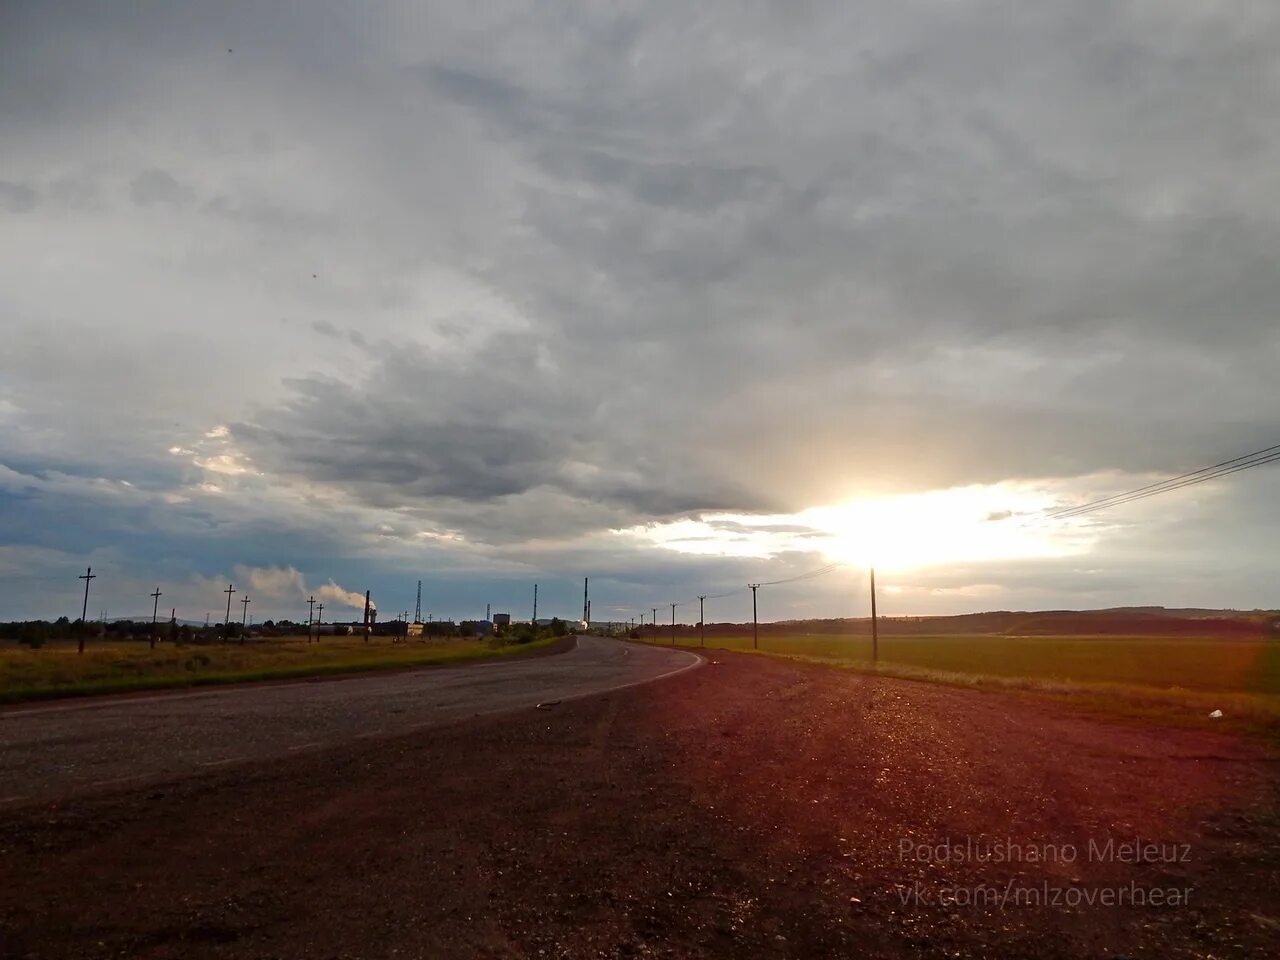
(875, 628)
(319, 621)
(755, 622)
(311, 615)
(673, 624)
(84, 612)
(702, 622)
(155, 610)
(244, 618)
(226, 624)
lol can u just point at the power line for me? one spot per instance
(1226, 467)
(810, 575)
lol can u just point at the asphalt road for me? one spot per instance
(56, 751)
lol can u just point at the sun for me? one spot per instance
(958, 525)
(972, 524)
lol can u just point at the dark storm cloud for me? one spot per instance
(502, 454)
(410, 459)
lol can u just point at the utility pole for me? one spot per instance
(311, 614)
(875, 629)
(673, 624)
(755, 621)
(173, 625)
(226, 624)
(155, 610)
(417, 607)
(535, 605)
(84, 612)
(319, 620)
(655, 617)
(244, 618)
(366, 616)
(702, 622)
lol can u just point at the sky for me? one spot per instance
(314, 298)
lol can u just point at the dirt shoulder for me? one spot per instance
(753, 808)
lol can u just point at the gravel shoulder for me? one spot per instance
(752, 808)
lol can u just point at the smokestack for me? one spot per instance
(366, 616)
(586, 603)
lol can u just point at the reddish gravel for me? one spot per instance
(753, 808)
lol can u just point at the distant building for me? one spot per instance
(414, 629)
(502, 619)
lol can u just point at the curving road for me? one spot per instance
(55, 751)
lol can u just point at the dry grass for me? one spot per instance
(57, 670)
(1176, 679)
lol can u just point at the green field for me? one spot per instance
(1236, 675)
(57, 670)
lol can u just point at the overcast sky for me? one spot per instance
(332, 296)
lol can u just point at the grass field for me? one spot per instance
(1239, 676)
(57, 670)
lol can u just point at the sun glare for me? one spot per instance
(960, 525)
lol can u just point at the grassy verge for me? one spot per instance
(1177, 681)
(58, 671)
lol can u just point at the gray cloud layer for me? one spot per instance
(520, 274)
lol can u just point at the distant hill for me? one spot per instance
(1116, 621)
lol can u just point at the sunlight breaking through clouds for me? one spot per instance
(970, 524)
